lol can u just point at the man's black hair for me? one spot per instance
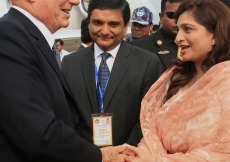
(122, 5)
(59, 40)
(85, 36)
(163, 4)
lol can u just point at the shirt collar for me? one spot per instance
(98, 51)
(84, 45)
(43, 29)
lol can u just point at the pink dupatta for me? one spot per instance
(193, 125)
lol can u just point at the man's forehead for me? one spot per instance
(101, 11)
(98, 19)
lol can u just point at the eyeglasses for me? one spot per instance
(170, 14)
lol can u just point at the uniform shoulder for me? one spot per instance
(144, 39)
(77, 54)
(141, 51)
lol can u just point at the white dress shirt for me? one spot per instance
(63, 53)
(85, 45)
(110, 60)
(43, 29)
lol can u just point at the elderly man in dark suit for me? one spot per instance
(40, 119)
(131, 70)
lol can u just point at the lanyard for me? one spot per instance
(101, 97)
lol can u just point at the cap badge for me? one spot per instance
(140, 13)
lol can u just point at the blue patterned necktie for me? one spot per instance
(103, 75)
(57, 54)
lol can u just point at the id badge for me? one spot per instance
(102, 129)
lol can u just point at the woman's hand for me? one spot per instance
(129, 153)
(135, 154)
(113, 153)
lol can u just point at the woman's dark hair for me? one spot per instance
(215, 17)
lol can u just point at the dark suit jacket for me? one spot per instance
(161, 44)
(134, 71)
(81, 47)
(40, 119)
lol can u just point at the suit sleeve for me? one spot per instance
(153, 72)
(139, 43)
(133, 43)
(27, 118)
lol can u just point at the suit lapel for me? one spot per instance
(44, 47)
(51, 59)
(87, 67)
(119, 67)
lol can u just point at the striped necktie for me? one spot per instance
(103, 76)
(57, 54)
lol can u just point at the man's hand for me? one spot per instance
(112, 154)
(130, 154)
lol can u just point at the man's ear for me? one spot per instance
(161, 17)
(151, 26)
(126, 26)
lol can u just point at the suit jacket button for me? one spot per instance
(77, 126)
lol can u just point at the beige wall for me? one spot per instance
(75, 19)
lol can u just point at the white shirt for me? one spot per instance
(43, 29)
(63, 53)
(110, 60)
(85, 45)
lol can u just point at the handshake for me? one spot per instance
(124, 153)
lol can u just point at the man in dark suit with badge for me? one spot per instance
(162, 42)
(128, 71)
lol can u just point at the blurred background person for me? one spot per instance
(85, 35)
(154, 29)
(60, 46)
(141, 23)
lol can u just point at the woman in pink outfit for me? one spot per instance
(185, 116)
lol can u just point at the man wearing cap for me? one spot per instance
(162, 42)
(141, 23)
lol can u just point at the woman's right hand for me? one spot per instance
(138, 155)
